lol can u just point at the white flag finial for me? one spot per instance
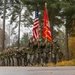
(45, 4)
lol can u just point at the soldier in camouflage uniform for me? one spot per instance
(30, 52)
(17, 56)
(55, 49)
(47, 52)
(60, 55)
(35, 52)
(24, 55)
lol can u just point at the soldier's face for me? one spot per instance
(54, 40)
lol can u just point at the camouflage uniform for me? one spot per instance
(55, 49)
(60, 55)
(30, 52)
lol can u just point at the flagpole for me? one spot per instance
(46, 4)
(36, 26)
(38, 29)
(46, 30)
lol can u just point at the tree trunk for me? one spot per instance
(3, 40)
(67, 50)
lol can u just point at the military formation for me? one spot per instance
(35, 54)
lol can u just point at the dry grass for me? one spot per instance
(66, 63)
(63, 63)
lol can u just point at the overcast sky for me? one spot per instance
(22, 29)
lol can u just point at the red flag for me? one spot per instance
(36, 26)
(46, 33)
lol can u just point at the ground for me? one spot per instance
(37, 70)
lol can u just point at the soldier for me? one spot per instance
(60, 55)
(41, 52)
(24, 55)
(55, 48)
(35, 52)
(17, 56)
(30, 51)
(47, 52)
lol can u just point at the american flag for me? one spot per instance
(36, 26)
